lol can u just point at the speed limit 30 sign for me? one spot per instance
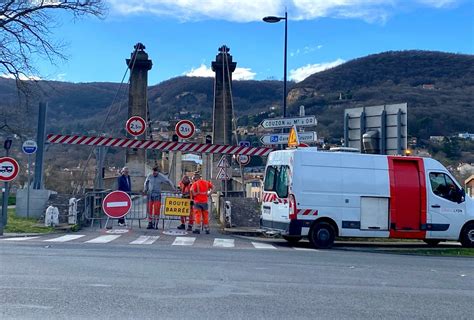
(136, 126)
(185, 129)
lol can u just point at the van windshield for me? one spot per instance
(276, 179)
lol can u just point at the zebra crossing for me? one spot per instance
(137, 240)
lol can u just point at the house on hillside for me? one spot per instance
(466, 135)
(437, 138)
(465, 168)
(428, 86)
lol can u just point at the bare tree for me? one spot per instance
(26, 28)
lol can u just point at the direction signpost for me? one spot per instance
(29, 147)
(276, 123)
(282, 138)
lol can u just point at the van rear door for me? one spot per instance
(275, 206)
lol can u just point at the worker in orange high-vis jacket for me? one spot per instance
(185, 187)
(200, 191)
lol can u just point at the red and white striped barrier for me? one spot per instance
(158, 145)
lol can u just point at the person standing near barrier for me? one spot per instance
(200, 191)
(125, 185)
(185, 187)
(152, 188)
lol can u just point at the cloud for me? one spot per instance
(204, 71)
(22, 77)
(251, 10)
(302, 73)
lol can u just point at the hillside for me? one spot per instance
(439, 89)
(445, 106)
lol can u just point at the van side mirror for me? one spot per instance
(461, 196)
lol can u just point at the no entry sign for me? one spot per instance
(117, 204)
(9, 169)
(185, 129)
(136, 126)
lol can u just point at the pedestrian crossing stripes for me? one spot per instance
(104, 239)
(184, 241)
(20, 238)
(136, 240)
(224, 243)
(259, 245)
(145, 240)
(68, 237)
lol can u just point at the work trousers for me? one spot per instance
(200, 212)
(190, 219)
(153, 210)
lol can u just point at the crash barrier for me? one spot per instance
(94, 213)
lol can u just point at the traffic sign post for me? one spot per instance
(116, 205)
(223, 174)
(9, 169)
(136, 126)
(185, 129)
(29, 147)
(276, 123)
(282, 138)
(243, 159)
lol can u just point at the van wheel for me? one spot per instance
(432, 242)
(322, 235)
(292, 239)
(467, 235)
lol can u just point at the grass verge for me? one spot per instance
(451, 252)
(23, 225)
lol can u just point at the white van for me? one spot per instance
(321, 195)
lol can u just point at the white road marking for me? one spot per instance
(117, 204)
(19, 238)
(259, 245)
(145, 240)
(103, 239)
(65, 238)
(305, 249)
(224, 243)
(184, 241)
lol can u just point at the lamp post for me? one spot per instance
(273, 19)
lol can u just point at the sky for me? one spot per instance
(182, 37)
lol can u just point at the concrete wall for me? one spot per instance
(38, 200)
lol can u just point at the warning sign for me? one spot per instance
(177, 207)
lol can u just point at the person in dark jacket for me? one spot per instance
(125, 185)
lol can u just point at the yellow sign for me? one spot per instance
(177, 207)
(293, 140)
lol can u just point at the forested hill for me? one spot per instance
(438, 87)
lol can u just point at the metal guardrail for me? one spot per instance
(93, 211)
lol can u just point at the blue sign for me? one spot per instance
(244, 143)
(29, 147)
(273, 139)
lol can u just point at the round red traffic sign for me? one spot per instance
(243, 159)
(136, 126)
(185, 129)
(9, 169)
(117, 204)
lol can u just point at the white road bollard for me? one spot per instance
(51, 217)
(228, 212)
(72, 212)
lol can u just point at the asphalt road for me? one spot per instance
(122, 281)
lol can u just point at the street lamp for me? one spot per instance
(273, 19)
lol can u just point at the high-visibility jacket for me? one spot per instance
(185, 189)
(199, 190)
